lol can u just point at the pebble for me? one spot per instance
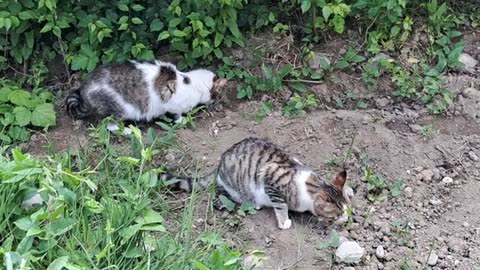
(415, 128)
(408, 192)
(471, 93)
(382, 102)
(465, 224)
(435, 201)
(468, 61)
(349, 252)
(427, 175)
(170, 157)
(252, 262)
(380, 252)
(436, 174)
(473, 156)
(447, 180)
(432, 259)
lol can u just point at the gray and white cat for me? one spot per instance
(142, 91)
(256, 170)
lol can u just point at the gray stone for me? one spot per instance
(468, 61)
(408, 192)
(382, 102)
(349, 252)
(415, 128)
(427, 175)
(473, 156)
(380, 252)
(432, 259)
(471, 93)
(436, 174)
(447, 180)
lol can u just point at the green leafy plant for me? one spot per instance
(396, 188)
(333, 242)
(298, 105)
(246, 208)
(350, 57)
(21, 110)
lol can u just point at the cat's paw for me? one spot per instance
(286, 225)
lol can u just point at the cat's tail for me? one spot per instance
(186, 183)
(76, 106)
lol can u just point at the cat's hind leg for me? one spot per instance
(280, 207)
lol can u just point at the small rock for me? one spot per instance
(468, 61)
(415, 128)
(436, 174)
(380, 252)
(342, 239)
(252, 262)
(435, 201)
(447, 180)
(465, 224)
(170, 157)
(408, 192)
(432, 259)
(349, 252)
(471, 93)
(473, 156)
(382, 102)
(427, 175)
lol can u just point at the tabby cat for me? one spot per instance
(142, 91)
(256, 170)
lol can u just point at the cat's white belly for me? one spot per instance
(261, 198)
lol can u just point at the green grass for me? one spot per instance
(109, 211)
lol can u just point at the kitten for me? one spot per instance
(256, 170)
(142, 91)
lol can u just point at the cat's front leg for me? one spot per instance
(280, 206)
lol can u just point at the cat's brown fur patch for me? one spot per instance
(165, 82)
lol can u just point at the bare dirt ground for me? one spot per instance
(397, 141)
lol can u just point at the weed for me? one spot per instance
(266, 109)
(20, 109)
(298, 105)
(427, 132)
(85, 220)
(246, 208)
(333, 242)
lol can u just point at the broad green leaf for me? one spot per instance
(138, 7)
(19, 97)
(24, 223)
(209, 21)
(43, 115)
(396, 187)
(218, 39)
(133, 252)
(129, 232)
(227, 203)
(137, 20)
(23, 116)
(179, 33)
(58, 263)
(200, 266)
(156, 25)
(122, 7)
(149, 216)
(326, 11)
(163, 35)
(306, 5)
(299, 86)
(60, 226)
(4, 93)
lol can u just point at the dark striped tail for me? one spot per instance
(186, 183)
(75, 105)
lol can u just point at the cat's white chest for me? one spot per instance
(305, 201)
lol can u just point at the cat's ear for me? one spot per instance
(340, 179)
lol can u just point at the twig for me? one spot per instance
(429, 253)
(349, 150)
(304, 81)
(291, 265)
